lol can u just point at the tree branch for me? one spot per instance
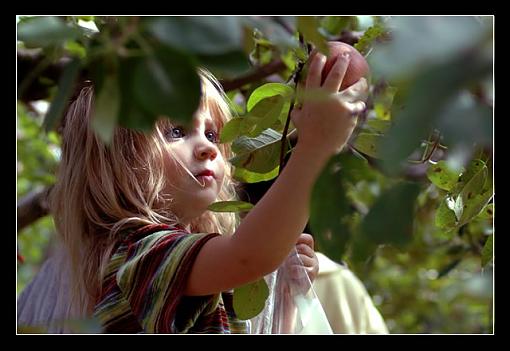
(32, 207)
(35, 89)
(349, 37)
(37, 74)
(260, 73)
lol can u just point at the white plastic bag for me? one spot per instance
(292, 306)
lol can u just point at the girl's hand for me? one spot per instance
(307, 255)
(304, 261)
(327, 117)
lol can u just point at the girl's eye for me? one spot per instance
(212, 136)
(176, 133)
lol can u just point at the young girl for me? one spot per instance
(146, 256)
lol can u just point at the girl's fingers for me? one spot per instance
(357, 91)
(313, 80)
(336, 75)
(307, 260)
(305, 238)
(355, 107)
(304, 249)
(297, 272)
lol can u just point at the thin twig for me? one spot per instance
(259, 74)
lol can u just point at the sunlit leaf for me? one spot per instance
(308, 26)
(266, 91)
(475, 185)
(445, 217)
(260, 154)
(369, 36)
(487, 213)
(250, 299)
(246, 176)
(265, 114)
(378, 126)
(231, 130)
(230, 206)
(442, 176)
(474, 205)
(368, 143)
(334, 25)
(473, 168)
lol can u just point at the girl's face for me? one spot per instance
(197, 149)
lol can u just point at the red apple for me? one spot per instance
(358, 66)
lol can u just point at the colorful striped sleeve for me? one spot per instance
(153, 277)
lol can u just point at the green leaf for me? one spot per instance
(430, 92)
(46, 31)
(268, 90)
(335, 24)
(309, 27)
(230, 206)
(260, 154)
(355, 168)
(417, 41)
(250, 299)
(474, 206)
(265, 115)
(208, 35)
(231, 130)
(390, 220)
(369, 36)
(268, 107)
(272, 31)
(131, 113)
(487, 250)
(361, 249)
(487, 213)
(65, 90)
(378, 126)
(246, 176)
(76, 49)
(474, 186)
(368, 143)
(445, 217)
(474, 167)
(228, 64)
(466, 121)
(329, 211)
(167, 84)
(442, 176)
(106, 109)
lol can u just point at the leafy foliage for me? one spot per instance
(409, 204)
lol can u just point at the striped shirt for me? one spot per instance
(142, 290)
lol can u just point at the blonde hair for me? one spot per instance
(102, 191)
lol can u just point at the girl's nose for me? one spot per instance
(204, 152)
